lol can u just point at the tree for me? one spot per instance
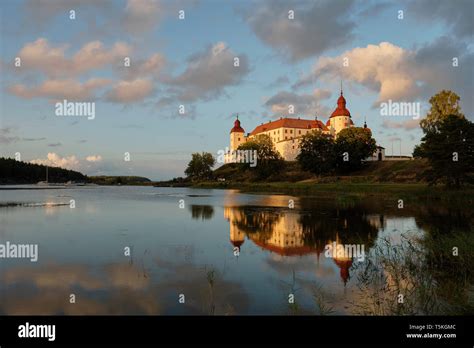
(443, 104)
(269, 161)
(353, 145)
(200, 166)
(449, 147)
(317, 153)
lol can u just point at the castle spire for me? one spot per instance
(341, 86)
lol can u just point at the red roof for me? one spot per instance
(289, 123)
(237, 127)
(341, 109)
(344, 266)
(237, 243)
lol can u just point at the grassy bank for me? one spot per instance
(410, 191)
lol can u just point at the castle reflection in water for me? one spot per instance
(307, 230)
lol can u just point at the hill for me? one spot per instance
(17, 172)
(119, 180)
(384, 172)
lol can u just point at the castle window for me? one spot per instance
(286, 130)
(238, 139)
(286, 137)
(291, 131)
(299, 132)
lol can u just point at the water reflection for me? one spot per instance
(202, 212)
(287, 232)
(187, 251)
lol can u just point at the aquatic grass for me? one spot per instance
(424, 271)
(321, 300)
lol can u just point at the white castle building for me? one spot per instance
(286, 133)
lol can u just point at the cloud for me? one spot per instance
(54, 160)
(33, 139)
(55, 144)
(207, 74)
(279, 81)
(130, 91)
(304, 104)
(41, 56)
(60, 89)
(72, 162)
(6, 136)
(455, 14)
(400, 74)
(317, 26)
(407, 125)
(142, 15)
(43, 11)
(151, 67)
(94, 158)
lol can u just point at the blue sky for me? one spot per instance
(190, 62)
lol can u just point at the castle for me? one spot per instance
(286, 133)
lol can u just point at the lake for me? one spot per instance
(179, 251)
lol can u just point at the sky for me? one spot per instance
(183, 56)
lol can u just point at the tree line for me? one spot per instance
(17, 172)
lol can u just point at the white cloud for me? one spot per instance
(41, 56)
(94, 158)
(142, 15)
(54, 160)
(400, 74)
(304, 104)
(60, 89)
(130, 91)
(149, 68)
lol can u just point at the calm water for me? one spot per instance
(191, 250)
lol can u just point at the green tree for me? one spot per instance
(200, 166)
(317, 153)
(269, 161)
(443, 104)
(353, 145)
(449, 147)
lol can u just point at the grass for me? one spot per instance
(424, 271)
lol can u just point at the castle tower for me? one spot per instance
(237, 237)
(237, 135)
(341, 117)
